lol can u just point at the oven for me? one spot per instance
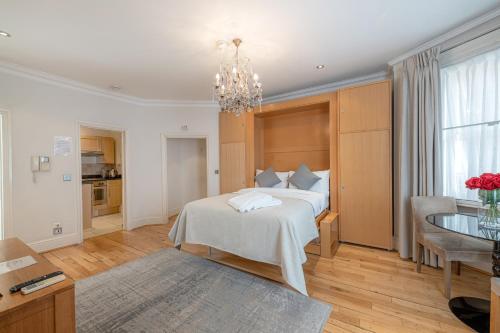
(99, 193)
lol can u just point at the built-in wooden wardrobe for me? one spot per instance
(236, 161)
(347, 132)
(365, 164)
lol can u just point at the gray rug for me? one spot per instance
(172, 291)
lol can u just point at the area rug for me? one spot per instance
(172, 291)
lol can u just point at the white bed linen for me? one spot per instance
(319, 201)
(275, 235)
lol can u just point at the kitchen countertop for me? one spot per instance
(90, 180)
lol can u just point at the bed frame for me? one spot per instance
(327, 243)
(327, 223)
(282, 135)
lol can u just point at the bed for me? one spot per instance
(274, 235)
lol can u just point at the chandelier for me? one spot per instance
(237, 87)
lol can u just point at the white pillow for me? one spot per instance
(321, 186)
(283, 176)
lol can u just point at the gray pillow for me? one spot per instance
(303, 178)
(267, 178)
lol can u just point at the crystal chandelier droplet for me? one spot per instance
(237, 88)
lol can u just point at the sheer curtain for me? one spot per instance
(470, 98)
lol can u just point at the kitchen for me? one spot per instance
(101, 156)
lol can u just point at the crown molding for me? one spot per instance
(329, 87)
(448, 35)
(59, 81)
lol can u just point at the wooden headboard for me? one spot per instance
(292, 132)
(284, 140)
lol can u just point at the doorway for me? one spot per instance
(186, 165)
(102, 171)
(6, 227)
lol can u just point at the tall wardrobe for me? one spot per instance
(236, 151)
(356, 146)
(365, 164)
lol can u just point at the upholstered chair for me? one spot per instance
(449, 246)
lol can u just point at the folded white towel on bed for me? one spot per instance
(252, 200)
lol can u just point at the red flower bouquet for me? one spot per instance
(488, 185)
(487, 182)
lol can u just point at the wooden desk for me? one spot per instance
(495, 305)
(51, 309)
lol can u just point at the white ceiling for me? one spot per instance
(159, 49)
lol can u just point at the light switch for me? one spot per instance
(66, 177)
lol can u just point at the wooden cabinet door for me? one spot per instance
(232, 127)
(365, 108)
(232, 167)
(90, 143)
(87, 205)
(114, 193)
(366, 188)
(108, 150)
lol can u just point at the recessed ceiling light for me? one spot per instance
(320, 66)
(221, 44)
(4, 34)
(115, 87)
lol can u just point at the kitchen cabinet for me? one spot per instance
(90, 144)
(87, 205)
(108, 150)
(114, 193)
(99, 145)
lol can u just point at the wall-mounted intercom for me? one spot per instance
(39, 164)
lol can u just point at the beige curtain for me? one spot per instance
(417, 133)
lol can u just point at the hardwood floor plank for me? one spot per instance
(370, 290)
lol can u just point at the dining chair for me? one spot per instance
(449, 246)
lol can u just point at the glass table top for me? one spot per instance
(465, 224)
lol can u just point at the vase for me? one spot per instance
(489, 213)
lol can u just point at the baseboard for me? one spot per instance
(54, 243)
(136, 223)
(172, 212)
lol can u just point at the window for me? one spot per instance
(470, 97)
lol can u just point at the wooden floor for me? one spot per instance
(371, 290)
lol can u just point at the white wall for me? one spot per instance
(186, 172)
(40, 111)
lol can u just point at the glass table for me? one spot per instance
(474, 312)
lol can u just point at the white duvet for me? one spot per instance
(275, 235)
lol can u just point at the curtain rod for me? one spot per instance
(470, 40)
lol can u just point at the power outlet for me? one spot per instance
(57, 229)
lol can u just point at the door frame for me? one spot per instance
(6, 222)
(164, 175)
(125, 164)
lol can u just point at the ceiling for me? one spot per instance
(160, 49)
